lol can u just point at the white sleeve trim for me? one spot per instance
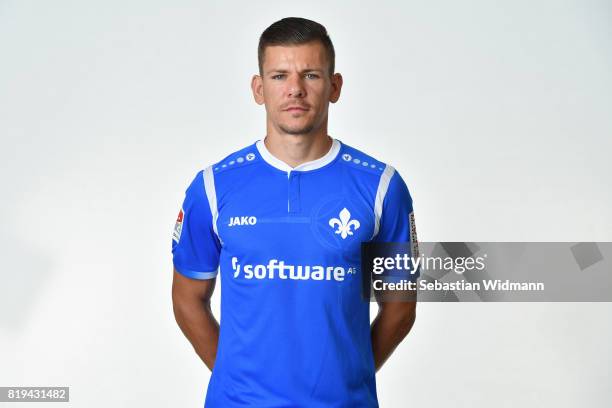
(211, 194)
(381, 192)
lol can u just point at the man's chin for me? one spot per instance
(296, 130)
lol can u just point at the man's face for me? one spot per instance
(296, 87)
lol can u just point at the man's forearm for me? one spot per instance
(391, 325)
(199, 325)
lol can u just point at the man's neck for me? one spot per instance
(297, 149)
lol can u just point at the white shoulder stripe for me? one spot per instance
(211, 193)
(381, 192)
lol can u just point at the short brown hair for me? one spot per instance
(295, 31)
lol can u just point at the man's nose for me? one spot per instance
(295, 87)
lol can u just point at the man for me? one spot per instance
(283, 220)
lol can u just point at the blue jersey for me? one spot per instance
(294, 329)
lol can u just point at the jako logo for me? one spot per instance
(242, 221)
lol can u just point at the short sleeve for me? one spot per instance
(195, 244)
(397, 218)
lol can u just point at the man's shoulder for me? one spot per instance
(362, 162)
(237, 159)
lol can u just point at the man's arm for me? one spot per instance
(191, 303)
(396, 309)
(391, 325)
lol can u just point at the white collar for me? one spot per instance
(311, 165)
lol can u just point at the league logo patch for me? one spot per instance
(178, 227)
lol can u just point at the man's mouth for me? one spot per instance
(296, 109)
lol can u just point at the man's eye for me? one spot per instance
(312, 76)
(277, 76)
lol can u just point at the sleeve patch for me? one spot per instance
(413, 237)
(178, 226)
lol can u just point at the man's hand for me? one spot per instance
(191, 303)
(391, 325)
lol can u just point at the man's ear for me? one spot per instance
(336, 83)
(257, 87)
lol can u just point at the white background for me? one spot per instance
(497, 115)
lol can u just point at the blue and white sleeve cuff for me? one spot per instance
(196, 274)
